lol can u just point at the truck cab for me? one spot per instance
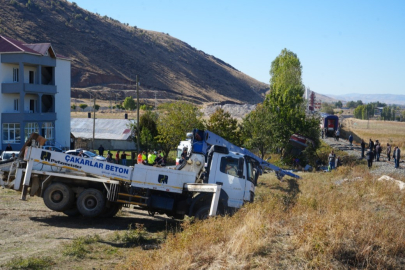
(235, 173)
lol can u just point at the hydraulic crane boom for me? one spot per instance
(203, 139)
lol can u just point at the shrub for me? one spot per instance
(30, 263)
(78, 248)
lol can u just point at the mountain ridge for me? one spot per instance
(107, 54)
(367, 98)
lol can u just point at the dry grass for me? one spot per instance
(310, 223)
(385, 131)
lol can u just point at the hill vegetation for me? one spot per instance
(107, 55)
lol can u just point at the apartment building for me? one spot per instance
(35, 93)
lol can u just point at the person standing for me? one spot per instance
(363, 147)
(388, 151)
(9, 148)
(322, 133)
(397, 154)
(332, 157)
(351, 140)
(371, 145)
(337, 134)
(109, 159)
(117, 157)
(369, 157)
(124, 158)
(338, 162)
(377, 152)
(144, 158)
(101, 150)
(139, 159)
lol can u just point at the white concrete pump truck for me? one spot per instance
(217, 178)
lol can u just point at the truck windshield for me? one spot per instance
(229, 165)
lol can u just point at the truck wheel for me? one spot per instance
(72, 212)
(59, 197)
(202, 213)
(111, 211)
(90, 202)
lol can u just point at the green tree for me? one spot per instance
(146, 139)
(257, 130)
(327, 108)
(147, 122)
(224, 125)
(285, 102)
(83, 106)
(351, 104)
(129, 104)
(180, 118)
(73, 107)
(96, 107)
(339, 104)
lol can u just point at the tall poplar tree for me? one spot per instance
(286, 103)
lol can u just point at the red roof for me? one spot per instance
(9, 45)
(12, 45)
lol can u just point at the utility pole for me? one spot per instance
(94, 118)
(110, 102)
(155, 100)
(137, 108)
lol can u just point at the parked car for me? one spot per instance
(52, 148)
(6, 155)
(86, 154)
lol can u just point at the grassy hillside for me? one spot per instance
(310, 223)
(108, 54)
(391, 132)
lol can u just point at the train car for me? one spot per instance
(330, 123)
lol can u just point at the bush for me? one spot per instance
(78, 248)
(30, 263)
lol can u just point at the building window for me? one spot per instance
(11, 133)
(31, 77)
(16, 104)
(30, 128)
(48, 131)
(15, 74)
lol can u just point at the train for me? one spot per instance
(330, 123)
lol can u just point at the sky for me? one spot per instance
(343, 46)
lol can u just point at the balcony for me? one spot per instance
(27, 117)
(16, 88)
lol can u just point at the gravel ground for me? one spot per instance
(237, 111)
(379, 168)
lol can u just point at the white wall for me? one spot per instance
(6, 73)
(62, 102)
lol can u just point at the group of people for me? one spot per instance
(336, 134)
(153, 158)
(120, 157)
(374, 152)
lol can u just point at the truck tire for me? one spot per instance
(111, 211)
(202, 213)
(72, 212)
(90, 202)
(59, 197)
